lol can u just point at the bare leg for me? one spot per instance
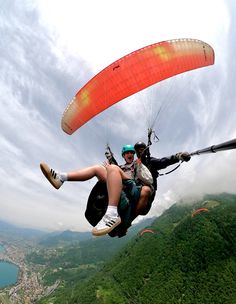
(87, 173)
(114, 184)
(57, 178)
(111, 219)
(143, 200)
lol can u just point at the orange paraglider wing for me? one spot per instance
(133, 73)
(200, 210)
(146, 231)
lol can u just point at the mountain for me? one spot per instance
(189, 257)
(69, 237)
(14, 232)
(63, 238)
(71, 261)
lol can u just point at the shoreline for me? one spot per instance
(18, 277)
(13, 256)
(28, 278)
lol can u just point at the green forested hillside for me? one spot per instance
(76, 261)
(64, 238)
(189, 259)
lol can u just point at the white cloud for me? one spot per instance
(103, 31)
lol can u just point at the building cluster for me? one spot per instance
(29, 287)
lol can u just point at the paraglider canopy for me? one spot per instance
(146, 231)
(200, 210)
(133, 73)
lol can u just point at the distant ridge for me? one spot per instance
(16, 231)
(67, 236)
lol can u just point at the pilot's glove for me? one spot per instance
(184, 156)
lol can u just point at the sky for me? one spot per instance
(50, 49)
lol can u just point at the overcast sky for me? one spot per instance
(50, 49)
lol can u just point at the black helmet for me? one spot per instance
(139, 145)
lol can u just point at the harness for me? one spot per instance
(110, 156)
(146, 151)
(162, 174)
(98, 201)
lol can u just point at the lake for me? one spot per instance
(8, 272)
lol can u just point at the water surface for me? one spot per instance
(8, 274)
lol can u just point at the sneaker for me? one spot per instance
(51, 175)
(106, 225)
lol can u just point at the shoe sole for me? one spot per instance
(46, 172)
(101, 232)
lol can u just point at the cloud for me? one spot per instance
(34, 85)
